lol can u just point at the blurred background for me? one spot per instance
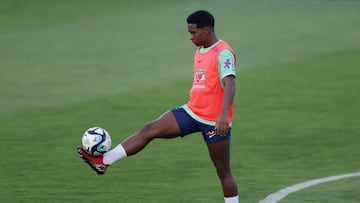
(70, 65)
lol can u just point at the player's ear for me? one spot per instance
(207, 30)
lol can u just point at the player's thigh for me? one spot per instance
(165, 126)
(220, 153)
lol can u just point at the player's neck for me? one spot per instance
(213, 39)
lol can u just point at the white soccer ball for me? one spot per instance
(96, 141)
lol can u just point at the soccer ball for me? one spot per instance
(96, 141)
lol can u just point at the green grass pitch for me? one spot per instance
(69, 65)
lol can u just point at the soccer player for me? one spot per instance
(209, 110)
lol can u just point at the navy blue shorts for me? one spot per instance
(189, 125)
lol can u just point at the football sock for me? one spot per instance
(232, 199)
(114, 155)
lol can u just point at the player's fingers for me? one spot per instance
(225, 131)
(220, 130)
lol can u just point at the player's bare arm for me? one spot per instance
(222, 123)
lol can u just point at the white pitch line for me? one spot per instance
(275, 197)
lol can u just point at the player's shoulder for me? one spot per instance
(226, 53)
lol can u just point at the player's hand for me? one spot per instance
(222, 125)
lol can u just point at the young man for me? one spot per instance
(209, 111)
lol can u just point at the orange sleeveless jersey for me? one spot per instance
(206, 94)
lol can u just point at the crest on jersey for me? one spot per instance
(199, 75)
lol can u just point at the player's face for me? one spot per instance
(197, 35)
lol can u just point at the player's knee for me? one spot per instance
(149, 130)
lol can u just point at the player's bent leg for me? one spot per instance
(220, 156)
(163, 127)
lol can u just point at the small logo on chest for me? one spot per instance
(199, 75)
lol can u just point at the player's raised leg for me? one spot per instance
(220, 155)
(163, 127)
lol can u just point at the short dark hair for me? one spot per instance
(201, 18)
